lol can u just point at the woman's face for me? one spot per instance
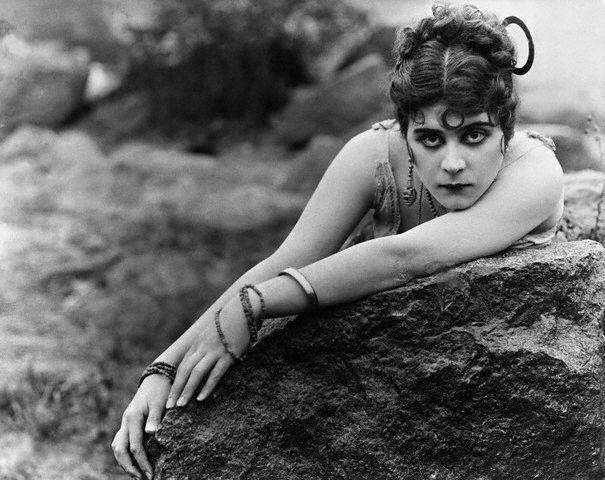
(458, 164)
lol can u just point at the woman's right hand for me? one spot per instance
(145, 410)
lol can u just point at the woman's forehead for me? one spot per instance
(441, 116)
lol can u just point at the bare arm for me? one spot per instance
(341, 199)
(520, 199)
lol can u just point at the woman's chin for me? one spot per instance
(456, 203)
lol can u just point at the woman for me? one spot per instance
(449, 181)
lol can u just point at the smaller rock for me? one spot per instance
(117, 117)
(324, 33)
(335, 106)
(344, 49)
(40, 83)
(309, 166)
(381, 41)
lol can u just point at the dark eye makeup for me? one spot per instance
(433, 139)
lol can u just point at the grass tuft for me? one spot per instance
(593, 128)
(49, 406)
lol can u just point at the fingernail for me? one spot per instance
(180, 402)
(200, 397)
(149, 475)
(170, 403)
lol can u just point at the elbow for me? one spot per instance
(413, 262)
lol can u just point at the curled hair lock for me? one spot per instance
(452, 119)
(460, 56)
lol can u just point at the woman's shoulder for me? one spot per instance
(372, 143)
(523, 142)
(533, 164)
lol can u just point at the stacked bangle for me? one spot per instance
(254, 325)
(161, 368)
(304, 283)
(221, 336)
(263, 308)
(244, 299)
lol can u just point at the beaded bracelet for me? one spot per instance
(254, 325)
(263, 308)
(244, 299)
(221, 336)
(161, 368)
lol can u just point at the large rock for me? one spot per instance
(583, 193)
(491, 370)
(40, 83)
(337, 105)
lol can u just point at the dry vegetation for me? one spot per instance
(106, 259)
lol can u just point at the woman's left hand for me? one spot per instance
(208, 356)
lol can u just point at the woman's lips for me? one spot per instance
(455, 187)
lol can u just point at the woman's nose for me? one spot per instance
(453, 163)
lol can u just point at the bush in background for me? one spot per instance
(203, 59)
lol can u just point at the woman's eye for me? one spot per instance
(431, 140)
(475, 136)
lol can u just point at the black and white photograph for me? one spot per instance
(302, 239)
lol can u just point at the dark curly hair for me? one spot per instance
(462, 57)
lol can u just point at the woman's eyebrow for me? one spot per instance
(427, 130)
(476, 124)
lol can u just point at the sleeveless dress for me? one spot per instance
(388, 217)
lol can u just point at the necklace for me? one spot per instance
(430, 200)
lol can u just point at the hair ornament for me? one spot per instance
(530, 56)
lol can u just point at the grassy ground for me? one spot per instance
(105, 260)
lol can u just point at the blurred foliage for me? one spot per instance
(208, 59)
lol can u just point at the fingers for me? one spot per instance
(154, 419)
(215, 375)
(182, 375)
(195, 378)
(122, 453)
(135, 436)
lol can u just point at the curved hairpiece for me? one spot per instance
(530, 57)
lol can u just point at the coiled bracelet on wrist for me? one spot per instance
(161, 368)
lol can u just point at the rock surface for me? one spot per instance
(335, 106)
(491, 370)
(40, 83)
(309, 166)
(582, 192)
